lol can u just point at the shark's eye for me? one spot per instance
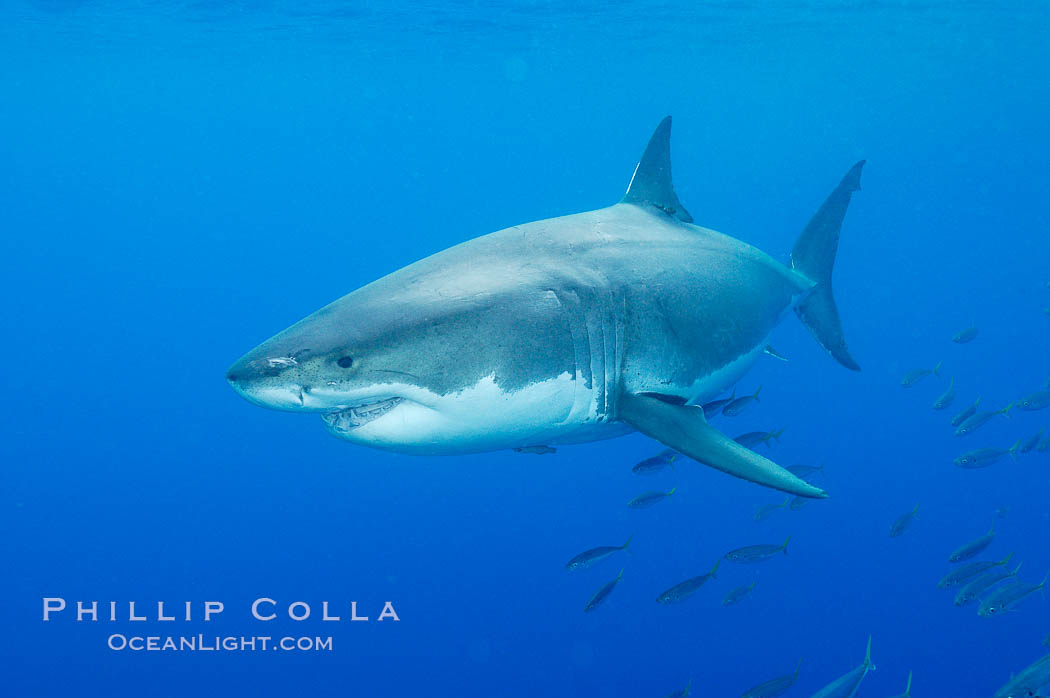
(345, 362)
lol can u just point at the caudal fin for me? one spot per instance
(814, 257)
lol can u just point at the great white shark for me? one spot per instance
(565, 330)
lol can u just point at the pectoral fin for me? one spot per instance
(684, 429)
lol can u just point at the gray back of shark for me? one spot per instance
(565, 330)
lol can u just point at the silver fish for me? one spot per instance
(976, 421)
(536, 450)
(1035, 401)
(903, 522)
(602, 594)
(683, 590)
(766, 510)
(648, 499)
(947, 397)
(754, 438)
(773, 687)
(737, 406)
(917, 374)
(983, 583)
(806, 472)
(735, 596)
(983, 457)
(1033, 442)
(590, 557)
(751, 554)
(655, 464)
(714, 408)
(1028, 682)
(1007, 598)
(974, 548)
(965, 336)
(846, 685)
(966, 414)
(964, 573)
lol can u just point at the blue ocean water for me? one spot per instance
(183, 180)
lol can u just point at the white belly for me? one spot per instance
(485, 418)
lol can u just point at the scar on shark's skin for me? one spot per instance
(566, 330)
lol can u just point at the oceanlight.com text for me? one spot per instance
(217, 643)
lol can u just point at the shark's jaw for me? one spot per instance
(342, 421)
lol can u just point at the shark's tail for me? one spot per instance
(814, 256)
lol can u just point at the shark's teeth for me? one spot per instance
(346, 419)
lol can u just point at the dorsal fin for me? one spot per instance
(651, 184)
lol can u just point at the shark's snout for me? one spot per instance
(268, 382)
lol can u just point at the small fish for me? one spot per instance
(1007, 598)
(648, 499)
(1036, 401)
(903, 522)
(974, 548)
(683, 590)
(965, 336)
(1033, 442)
(737, 595)
(683, 693)
(966, 572)
(655, 464)
(754, 438)
(846, 685)
(976, 421)
(973, 589)
(770, 351)
(1043, 446)
(983, 457)
(773, 687)
(537, 450)
(602, 594)
(1029, 682)
(907, 689)
(751, 554)
(917, 374)
(590, 557)
(766, 510)
(737, 406)
(711, 409)
(966, 414)
(946, 398)
(1001, 512)
(798, 502)
(806, 471)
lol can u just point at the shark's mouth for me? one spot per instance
(342, 421)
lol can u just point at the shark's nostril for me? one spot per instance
(231, 377)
